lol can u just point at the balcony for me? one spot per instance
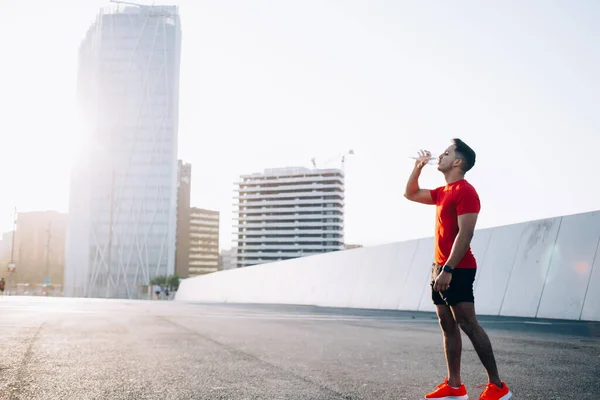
(292, 239)
(293, 202)
(262, 183)
(296, 248)
(311, 193)
(205, 217)
(294, 224)
(207, 257)
(293, 217)
(203, 223)
(204, 237)
(204, 229)
(204, 263)
(265, 210)
(288, 232)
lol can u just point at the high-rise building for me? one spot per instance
(228, 259)
(40, 247)
(122, 218)
(182, 257)
(288, 213)
(204, 241)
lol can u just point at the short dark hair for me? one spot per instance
(465, 153)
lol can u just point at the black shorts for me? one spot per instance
(461, 286)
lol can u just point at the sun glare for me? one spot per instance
(45, 145)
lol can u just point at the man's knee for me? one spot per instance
(449, 326)
(468, 324)
(447, 322)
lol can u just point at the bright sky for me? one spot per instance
(272, 83)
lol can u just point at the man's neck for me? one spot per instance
(453, 176)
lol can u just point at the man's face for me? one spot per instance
(446, 160)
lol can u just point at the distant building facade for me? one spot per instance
(40, 247)
(287, 213)
(182, 253)
(228, 259)
(204, 242)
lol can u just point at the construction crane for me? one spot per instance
(343, 155)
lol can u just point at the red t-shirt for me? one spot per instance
(452, 200)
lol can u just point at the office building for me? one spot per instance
(123, 202)
(39, 252)
(287, 213)
(204, 242)
(182, 255)
(228, 259)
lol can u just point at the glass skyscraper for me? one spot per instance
(122, 216)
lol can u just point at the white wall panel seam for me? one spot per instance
(589, 279)
(487, 247)
(549, 267)
(512, 268)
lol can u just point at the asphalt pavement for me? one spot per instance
(55, 348)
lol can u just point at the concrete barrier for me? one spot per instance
(547, 269)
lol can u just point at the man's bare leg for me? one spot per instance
(452, 344)
(464, 314)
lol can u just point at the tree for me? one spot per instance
(171, 281)
(174, 282)
(158, 280)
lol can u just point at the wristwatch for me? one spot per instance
(448, 268)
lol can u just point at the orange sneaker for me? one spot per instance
(493, 392)
(447, 392)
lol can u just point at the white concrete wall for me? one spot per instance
(547, 269)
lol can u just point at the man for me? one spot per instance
(453, 272)
(2, 284)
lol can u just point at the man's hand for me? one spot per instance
(442, 282)
(423, 159)
(413, 192)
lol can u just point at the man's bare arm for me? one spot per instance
(466, 229)
(413, 192)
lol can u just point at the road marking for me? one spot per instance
(537, 323)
